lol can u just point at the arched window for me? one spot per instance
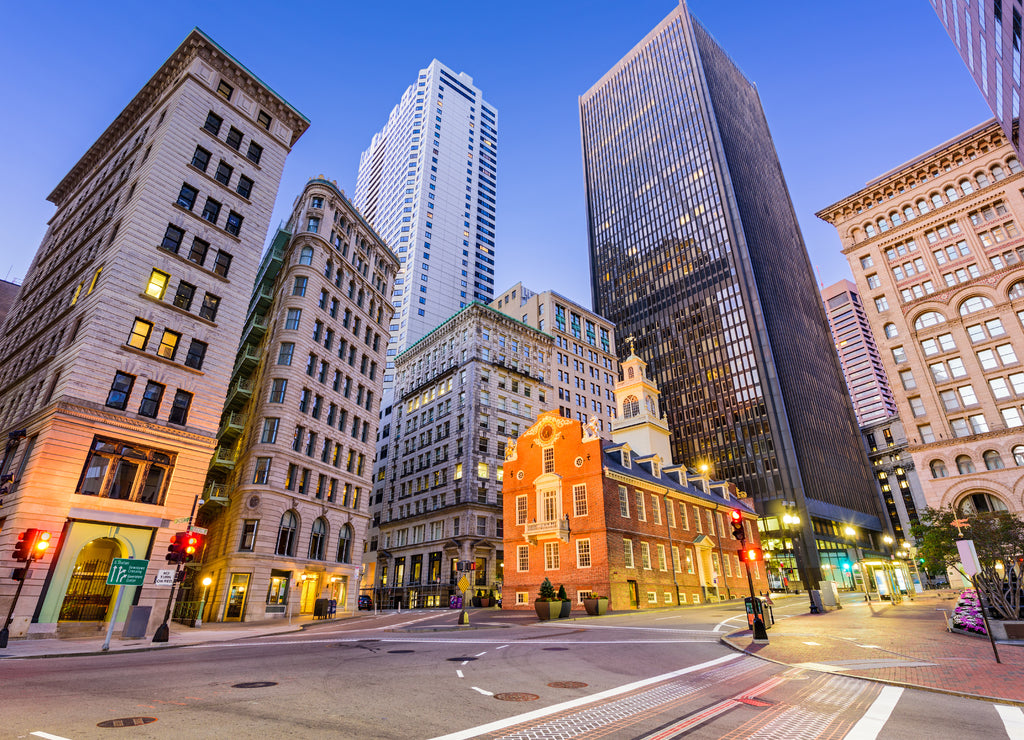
(992, 460)
(983, 181)
(964, 464)
(306, 256)
(966, 186)
(951, 194)
(1014, 165)
(650, 406)
(630, 407)
(895, 218)
(975, 303)
(883, 225)
(938, 469)
(908, 212)
(891, 330)
(869, 229)
(1016, 290)
(317, 539)
(922, 207)
(630, 373)
(361, 298)
(286, 534)
(345, 545)
(998, 173)
(329, 269)
(1018, 455)
(936, 200)
(980, 503)
(929, 318)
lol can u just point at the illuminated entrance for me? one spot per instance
(88, 596)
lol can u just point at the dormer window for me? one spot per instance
(626, 459)
(655, 469)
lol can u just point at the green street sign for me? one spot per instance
(127, 572)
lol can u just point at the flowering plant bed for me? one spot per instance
(967, 614)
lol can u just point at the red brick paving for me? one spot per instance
(907, 632)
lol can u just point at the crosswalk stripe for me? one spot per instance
(1013, 720)
(877, 715)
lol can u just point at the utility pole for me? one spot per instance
(163, 632)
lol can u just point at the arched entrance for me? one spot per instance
(88, 596)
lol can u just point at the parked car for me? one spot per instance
(365, 602)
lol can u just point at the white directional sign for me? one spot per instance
(164, 578)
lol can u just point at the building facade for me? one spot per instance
(696, 252)
(616, 518)
(118, 351)
(987, 36)
(936, 249)
(428, 184)
(8, 293)
(584, 366)
(461, 393)
(288, 494)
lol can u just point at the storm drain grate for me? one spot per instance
(254, 685)
(516, 696)
(127, 722)
(459, 660)
(567, 685)
(399, 652)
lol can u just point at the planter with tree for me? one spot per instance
(547, 605)
(595, 605)
(566, 609)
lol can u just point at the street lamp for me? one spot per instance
(202, 602)
(792, 523)
(851, 537)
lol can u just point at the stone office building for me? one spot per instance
(288, 494)
(118, 350)
(460, 393)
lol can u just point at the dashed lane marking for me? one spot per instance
(479, 654)
(485, 692)
(1013, 721)
(868, 727)
(811, 643)
(47, 735)
(459, 673)
(501, 647)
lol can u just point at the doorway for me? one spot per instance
(307, 597)
(88, 596)
(634, 594)
(237, 593)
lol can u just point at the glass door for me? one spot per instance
(237, 592)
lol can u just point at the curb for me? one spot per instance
(725, 640)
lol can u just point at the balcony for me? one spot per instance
(231, 426)
(223, 459)
(255, 328)
(264, 295)
(239, 392)
(248, 357)
(216, 493)
(547, 530)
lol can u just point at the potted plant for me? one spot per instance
(547, 604)
(596, 605)
(485, 598)
(566, 604)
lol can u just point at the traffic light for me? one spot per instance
(41, 544)
(25, 546)
(192, 546)
(750, 554)
(176, 548)
(736, 518)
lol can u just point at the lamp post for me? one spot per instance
(792, 523)
(202, 602)
(851, 537)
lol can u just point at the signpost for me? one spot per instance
(123, 572)
(164, 577)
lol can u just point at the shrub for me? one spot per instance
(561, 593)
(547, 591)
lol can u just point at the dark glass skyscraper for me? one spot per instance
(696, 252)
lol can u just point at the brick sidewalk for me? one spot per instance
(906, 644)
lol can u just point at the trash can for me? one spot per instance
(320, 609)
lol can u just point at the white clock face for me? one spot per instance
(519, 475)
(579, 462)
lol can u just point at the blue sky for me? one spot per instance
(850, 90)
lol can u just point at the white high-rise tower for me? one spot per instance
(428, 185)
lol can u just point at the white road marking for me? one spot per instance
(641, 629)
(1013, 720)
(479, 654)
(47, 735)
(868, 727)
(501, 648)
(482, 691)
(877, 647)
(501, 724)
(811, 643)
(464, 662)
(427, 641)
(459, 673)
(718, 627)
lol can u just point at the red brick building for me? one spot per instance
(611, 519)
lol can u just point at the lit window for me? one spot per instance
(168, 344)
(139, 336)
(157, 284)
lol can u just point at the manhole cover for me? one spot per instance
(567, 684)
(254, 685)
(401, 651)
(554, 648)
(459, 660)
(127, 722)
(516, 696)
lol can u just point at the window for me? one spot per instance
(187, 196)
(233, 224)
(263, 120)
(306, 256)
(118, 470)
(222, 263)
(916, 406)
(549, 460)
(201, 159)
(255, 152)
(318, 539)
(209, 308)
(234, 139)
(213, 122)
(198, 250)
(964, 465)
(891, 331)
(522, 558)
(662, 562)
(627, 553)
(179, 408)
(249, 528)
(521, 502)
(183, 297)
(926, 433)
(299, 286)
(579, 497)
(139, 336)
(196, 354)
(244, 186)
(262, 471)
(900, 355)
(641, 512)
(551, 556)
(168, 344)
(223, 173)
(270, 427)
(975, 303)
(992, 460)
(172, 239)
(211, 211)
(286, 534)
(623, 502)
(293, 318)
(157, 284)
(151, 398)
(583, 553)
(645, 555)
(881, 304)
(277, 390)
(938, 468)
(120, 390)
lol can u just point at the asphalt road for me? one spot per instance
(656, 674)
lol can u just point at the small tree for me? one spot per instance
(997, 536)
(547, 591)
(561, 593)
